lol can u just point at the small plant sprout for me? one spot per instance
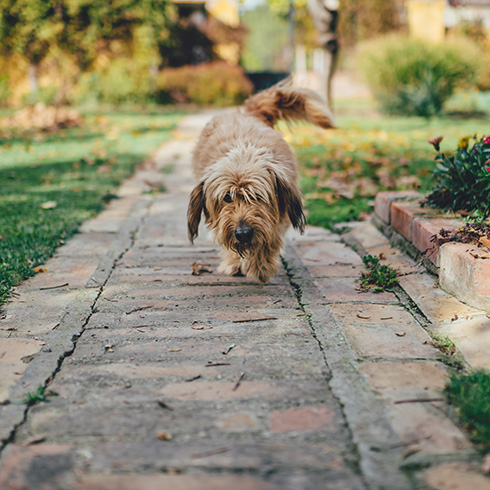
(445, 344)
(41, 394)
(378, 276)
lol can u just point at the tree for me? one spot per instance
(28, 28)
(82, 29)
(325, 15)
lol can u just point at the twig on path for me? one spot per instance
(420, 400)
(138, 309)
(162, 404)
(211, 452)
(214, 364)
(55, 287)
(194, 378)
(238, 382)
(255, 319)
(225, 352)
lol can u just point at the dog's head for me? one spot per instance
(245, 197)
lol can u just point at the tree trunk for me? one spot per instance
(33, 74)
(324, 14)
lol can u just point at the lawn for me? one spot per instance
(342, 169)
(53, 181)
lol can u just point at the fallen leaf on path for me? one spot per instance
(363, 317)
(201, 327)
(175, 350)
(109, 348)
(38, 270)
(164, 436)
(198, 269)
(400, 334)
(454, 318)
(387, 318)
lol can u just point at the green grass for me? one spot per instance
(470, 394)
(342, 169)
(41, 394)
(78, 169)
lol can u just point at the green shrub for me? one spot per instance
(462, 180)
(122, 81)
(413, 77)
(218, 84)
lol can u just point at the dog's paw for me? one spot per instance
(230, 270)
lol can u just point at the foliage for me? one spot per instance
(360, 20)
(28, 28)
(378, 276)
(462, 180)
(122, 81)
(218, 84)
(265, 29)
(476, 31)
(82, 31)
(471, 396)
(341, 170)
(75, 168)
(413, 77)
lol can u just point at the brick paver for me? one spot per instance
(166, 379)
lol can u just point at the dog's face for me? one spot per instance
(245, 198)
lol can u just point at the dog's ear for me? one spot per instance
(289, 201)
(195, 209)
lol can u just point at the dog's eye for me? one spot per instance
(228, 198)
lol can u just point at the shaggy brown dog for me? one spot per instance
(247, 179)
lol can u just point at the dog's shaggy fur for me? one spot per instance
(247, 179)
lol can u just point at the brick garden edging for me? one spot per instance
(463, 270)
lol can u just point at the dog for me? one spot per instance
(247, 186)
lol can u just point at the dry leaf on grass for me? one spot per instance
(48, 205)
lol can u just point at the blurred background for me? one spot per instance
(215, 52)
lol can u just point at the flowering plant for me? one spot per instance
(462, 180)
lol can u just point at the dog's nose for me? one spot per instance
(244, 233)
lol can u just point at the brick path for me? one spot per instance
(171, 380)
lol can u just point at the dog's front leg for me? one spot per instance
(263, 264)
(231, 264)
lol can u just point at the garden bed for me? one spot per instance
(463, 268)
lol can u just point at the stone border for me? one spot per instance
(463, 269)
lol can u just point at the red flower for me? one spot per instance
(435, 141)
(486, 140)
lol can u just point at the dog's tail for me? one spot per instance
(283, 102)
